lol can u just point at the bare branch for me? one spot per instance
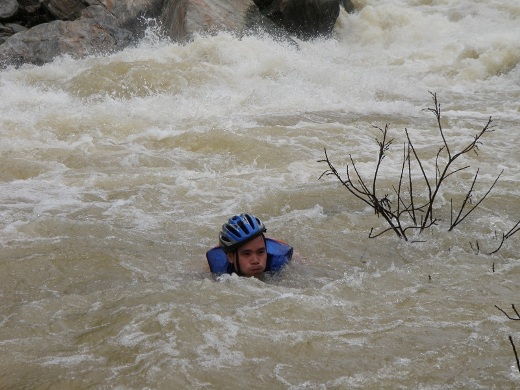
(508, 316)
(507, 235)
(437, 112)
(460, 217)
(477, 247)
(513, 230)
(516, 354)
(500, 246)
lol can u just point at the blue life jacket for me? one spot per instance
(278, 255)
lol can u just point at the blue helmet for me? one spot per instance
(239, 230)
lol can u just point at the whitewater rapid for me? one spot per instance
(118, 171)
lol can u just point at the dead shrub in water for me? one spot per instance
(406, 210)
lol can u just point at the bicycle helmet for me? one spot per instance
(239, 230)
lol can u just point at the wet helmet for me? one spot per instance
(239, 230)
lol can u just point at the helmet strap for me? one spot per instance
(237, 264)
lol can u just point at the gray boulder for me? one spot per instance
(182, 19)
(101, 27)
(8, 8)
(29, 13)
(64, 9)
(78, 38)
(131, 14)
(9, 29)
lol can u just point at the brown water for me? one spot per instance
(117, 173)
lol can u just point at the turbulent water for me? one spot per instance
(118, 171)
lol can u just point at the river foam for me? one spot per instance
(118, 171)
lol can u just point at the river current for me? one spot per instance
(118, 171)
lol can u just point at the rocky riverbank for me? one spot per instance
(37, 31)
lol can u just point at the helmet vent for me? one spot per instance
(243, 226)
(233, 230)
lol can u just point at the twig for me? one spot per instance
(507, 235)
(508, 316)
(513, 230)
(437, 112)
(460, 218)
(516, 354)
(477, 248)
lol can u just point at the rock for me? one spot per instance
(184, 18)
(349, 7)
(104, 26)
(307, 19)
(5, 32)
(261, 4)
(8, 29)
(78, 38)
(8, 9)
(99, 13)
(64, 9)
(131, 14)
(15, 27)
(31, 13)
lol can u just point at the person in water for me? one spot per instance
(243, 249)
